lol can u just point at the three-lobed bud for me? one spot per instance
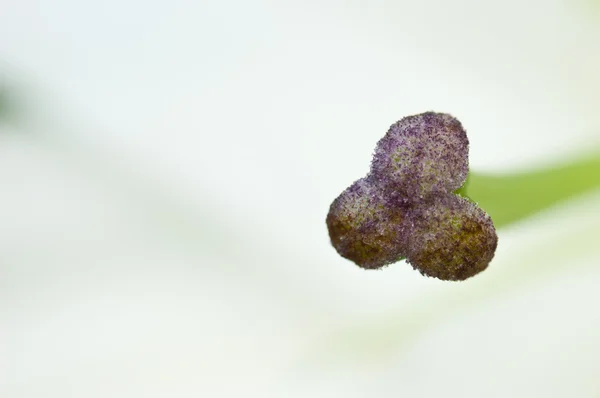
(405, 207)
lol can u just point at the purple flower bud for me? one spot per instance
(364, 228)
(406, 208)
(422, 154)
(451, 238)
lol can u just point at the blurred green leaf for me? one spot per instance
(9, 104)
(512, 197)
(3, 103)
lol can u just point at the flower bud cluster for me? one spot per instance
(406, 206)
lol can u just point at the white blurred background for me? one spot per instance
(164, 190)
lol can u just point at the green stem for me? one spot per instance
(508, 198)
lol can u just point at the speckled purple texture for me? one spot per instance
(450, 238)
(406, 208)
(364, 228)
(422, 154)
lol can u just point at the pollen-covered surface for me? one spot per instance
(451, 238)
(422, 154)
(364, 228)
(406, 206)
